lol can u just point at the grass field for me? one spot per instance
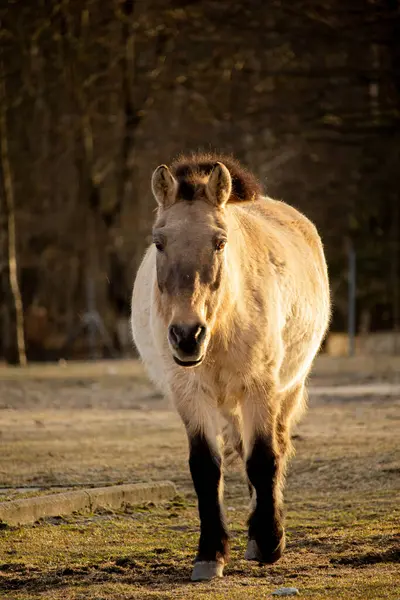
(342, 498)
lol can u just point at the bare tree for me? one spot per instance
(9, 203)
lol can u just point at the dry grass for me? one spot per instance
(342, 499)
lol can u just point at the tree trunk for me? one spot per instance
(10, 221)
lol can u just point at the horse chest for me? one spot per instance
(229, 391)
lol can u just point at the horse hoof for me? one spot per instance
(253, 552)
(207, 570)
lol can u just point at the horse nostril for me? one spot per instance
(175, 334)
(200, 333)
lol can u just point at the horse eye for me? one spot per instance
(159, 246)
(220, 245)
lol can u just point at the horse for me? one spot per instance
(229, 308)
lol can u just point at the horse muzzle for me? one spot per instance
(187, 343)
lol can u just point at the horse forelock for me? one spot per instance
(192, 173)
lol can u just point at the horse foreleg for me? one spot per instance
(205, 463)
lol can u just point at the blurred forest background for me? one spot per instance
(94, 95)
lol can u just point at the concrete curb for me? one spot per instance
(377, 365)
(126, 368)
(29, 510)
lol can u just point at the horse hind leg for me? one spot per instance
(291, 409)
(234, 446)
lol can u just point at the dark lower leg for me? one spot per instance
(264, 469)
(205, 467)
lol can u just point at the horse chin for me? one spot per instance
(188, 363)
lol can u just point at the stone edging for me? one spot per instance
(29, 510)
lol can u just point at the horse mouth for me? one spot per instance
(188, 363)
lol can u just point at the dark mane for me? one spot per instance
(192, 171)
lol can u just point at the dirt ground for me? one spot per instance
(342, 496)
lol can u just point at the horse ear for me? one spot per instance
(219, 185)
(164, 186)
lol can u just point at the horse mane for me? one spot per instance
(192, 172)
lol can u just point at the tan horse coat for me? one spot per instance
(265, 322)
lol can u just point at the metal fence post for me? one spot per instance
(352, 299)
